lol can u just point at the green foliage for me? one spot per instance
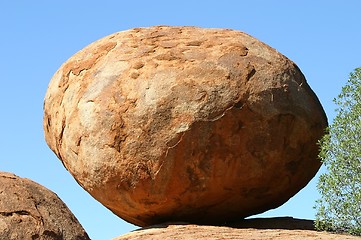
(339, 208)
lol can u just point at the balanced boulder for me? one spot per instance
(184, 124)
(30, 211)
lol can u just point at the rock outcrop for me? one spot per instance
(255, 229)
(184, 124)
(30, 211)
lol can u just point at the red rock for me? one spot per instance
(184, 124)
(256, 229)
(30, 211)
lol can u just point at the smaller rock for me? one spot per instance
(31, 211)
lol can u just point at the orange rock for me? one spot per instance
(184, 124)
(30, 211)
(256, 229)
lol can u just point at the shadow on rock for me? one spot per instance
(287, 223)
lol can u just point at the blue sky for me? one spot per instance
(322, 37)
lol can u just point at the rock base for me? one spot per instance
(256, 229)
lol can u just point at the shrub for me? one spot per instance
(339, 208)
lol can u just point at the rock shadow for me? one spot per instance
(287, 223)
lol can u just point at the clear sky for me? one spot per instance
(322, 37)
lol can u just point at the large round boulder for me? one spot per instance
(184, 124)
(30, 211)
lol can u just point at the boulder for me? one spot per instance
(184, 124)
(30, 211)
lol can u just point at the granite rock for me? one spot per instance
(31, 211)
(283, 228)
(184, 124)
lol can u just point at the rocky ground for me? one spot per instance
(251, 229)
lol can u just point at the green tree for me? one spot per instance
(339, 208)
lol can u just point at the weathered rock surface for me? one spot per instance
(255, 229)
(184, 124)
(30, 211)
